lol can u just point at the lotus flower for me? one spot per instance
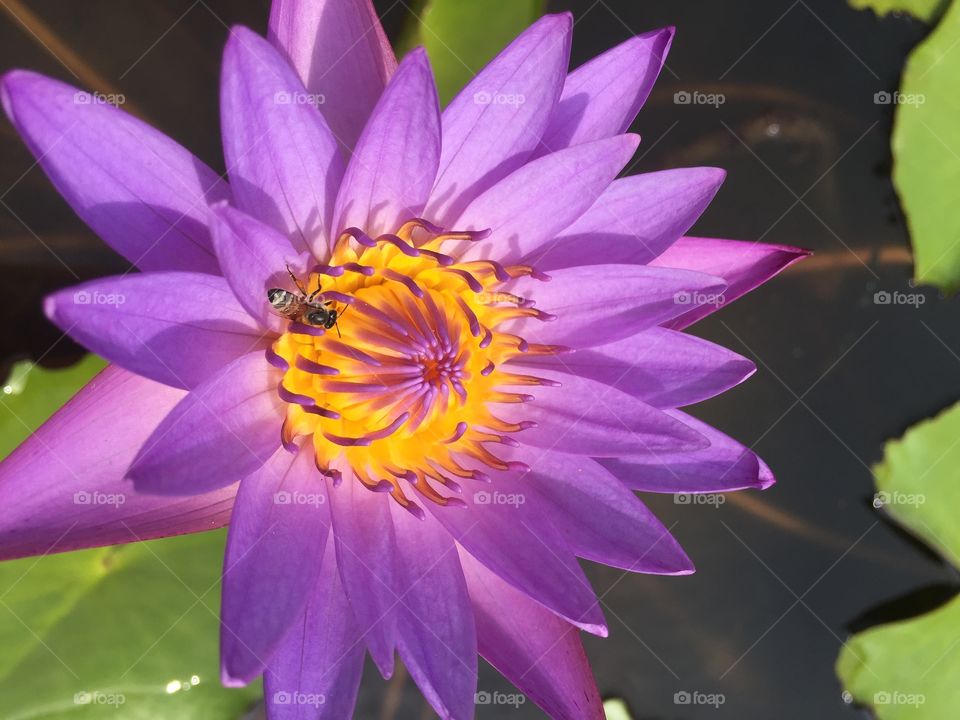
(477, 356)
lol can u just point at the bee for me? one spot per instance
(304, 308)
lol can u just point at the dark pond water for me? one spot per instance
(783, 575)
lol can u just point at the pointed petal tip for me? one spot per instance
(143, 480)
(417, 55)
(714, 284)
(14, 84)
(417, 60)
(718, 175)
(789, 255)
(16, 76)
(693, 441)
(765, 477)
(600, 630)
(229, 681)
(238, 33)
(677, 566)
(386, 671)
(562, 20)
(792, 253)
(50, 307)
(9, 75)
(559, 24)
(219, 206)
(7, 81)
(671, 559)
(664, 35)
(239, 38)
(683, 565)
(631, 141)
(219, 215)
(702, 177)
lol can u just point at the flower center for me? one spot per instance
(405, 387)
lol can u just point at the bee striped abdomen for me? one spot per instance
(284, 302)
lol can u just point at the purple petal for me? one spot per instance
(529, 208)
(178, 328)
(664, 368)
(600, 518)
(366, 552)
(437, 638)
(538, 563)
(64, 488)
(724, 466)
(600, 304)
(495, 123)
(321, 658)
(602, 97)
(634, 220)
(254, 258)
(341, 53)
(221, 432)
(277, 535)
(534, 649)
(744, 265)
(584, 417)
(144, 194)
(284, 163)
(394, 165)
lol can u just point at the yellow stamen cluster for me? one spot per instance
(403, 388)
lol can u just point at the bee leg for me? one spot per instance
(296, 281)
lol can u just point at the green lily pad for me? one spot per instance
(461, 37)
(926, 152)
(906, 670)
(918, 482)
(126, 632)
(926, 10)
(909, 669)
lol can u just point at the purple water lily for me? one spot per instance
(419, 360)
